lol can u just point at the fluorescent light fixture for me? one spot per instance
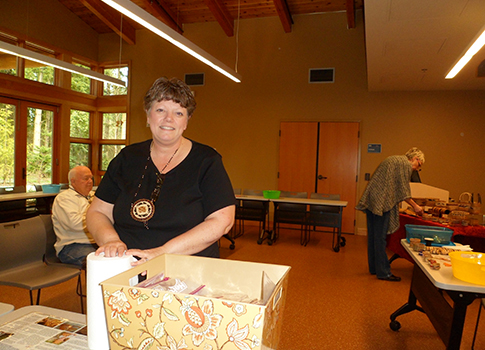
(54, 62)
(150, 22)
(476, 46)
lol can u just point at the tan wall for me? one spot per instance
(50, 22)
(242, 120)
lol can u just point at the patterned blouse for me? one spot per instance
(388, 187)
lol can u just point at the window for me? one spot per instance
(113, 137)
(114, 126)
(79, 82)
(40, 124)
(108, 152)
(80, 134)
(118, 73)
(38, 71)
(8, 63)
(7, 142)
(27, 147)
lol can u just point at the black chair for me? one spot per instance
(230, 237)
(237, 229)
(22, 262)
(324, 216)
(253, 211)
(50, 256)
(289, 213)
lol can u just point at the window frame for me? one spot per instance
(67, 99)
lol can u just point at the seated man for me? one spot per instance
(74, 242)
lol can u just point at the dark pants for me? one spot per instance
(376, 244)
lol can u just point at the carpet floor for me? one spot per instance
(332, 302)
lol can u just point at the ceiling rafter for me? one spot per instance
(162, 11)
(350, 8)
(284, 14)
(222, 15)
(112, 19)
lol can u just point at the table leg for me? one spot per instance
(408, 307)
(460, 304)
(340, 240)
(394, 257)
(267, 234)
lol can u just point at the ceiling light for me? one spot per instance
(476, 46)
(54, 62)
(137, 14)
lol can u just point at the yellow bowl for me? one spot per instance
(469, 266)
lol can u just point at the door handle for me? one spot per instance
(320, 177)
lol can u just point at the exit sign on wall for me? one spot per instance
(374, 148)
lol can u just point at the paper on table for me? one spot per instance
(100, 268)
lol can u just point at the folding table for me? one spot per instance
(427, 286)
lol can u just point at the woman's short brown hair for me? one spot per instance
(174, 90)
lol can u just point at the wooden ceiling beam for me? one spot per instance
(350, 8)
(162, 11)
(112, 19)
(222, 15)
(284, 14)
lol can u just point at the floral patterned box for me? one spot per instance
(140, 318)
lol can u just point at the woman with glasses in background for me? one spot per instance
(387, 188)
(168, 194)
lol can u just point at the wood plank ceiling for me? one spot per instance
(175, 13)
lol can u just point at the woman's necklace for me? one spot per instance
(143, 209)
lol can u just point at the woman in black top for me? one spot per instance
(164, 195)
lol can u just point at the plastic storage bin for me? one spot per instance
(440, 235)
(468, 266)
(51, 188)
(271, 194)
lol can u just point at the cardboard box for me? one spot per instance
(140, 318)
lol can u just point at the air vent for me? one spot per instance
(322, 75)
(481, 70)
(194, 79)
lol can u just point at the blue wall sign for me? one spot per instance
(374, 148)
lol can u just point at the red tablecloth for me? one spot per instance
(471, 235)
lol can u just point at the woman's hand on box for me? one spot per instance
(112, 248)
(142, 255)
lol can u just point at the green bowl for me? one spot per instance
(271, 194)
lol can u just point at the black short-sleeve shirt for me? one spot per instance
(191, 191)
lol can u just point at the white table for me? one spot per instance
(270, 234)
(22, 197)
(25, 195)
(27, 321)
(5, 309)
(314, 201)
(427, 286)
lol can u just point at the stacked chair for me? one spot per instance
(252, 210)
(324, 216)
(290, 213)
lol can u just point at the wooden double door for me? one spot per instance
(321, 157)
